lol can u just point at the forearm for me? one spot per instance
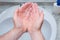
(37, 35)
(14, 34)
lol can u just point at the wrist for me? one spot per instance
(13, 34)
(33, 31)
(36, 35)
(22, 29)
(18, 29)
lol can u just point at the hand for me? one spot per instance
(20, 17)
(35, 20)
(28, 17)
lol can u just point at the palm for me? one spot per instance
(20, 16)
(36, 18)
(29, 17)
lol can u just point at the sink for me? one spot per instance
(49, 27)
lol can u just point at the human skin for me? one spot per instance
(27, 18)
(19, 28)
(35, 22)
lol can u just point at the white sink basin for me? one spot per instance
(49, 28)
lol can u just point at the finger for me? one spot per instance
(28, 10)
(35, 10)
(24, 6)
(16, 13)
(31, 12)
(26, 13)
(41, 17)
(35, 7)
